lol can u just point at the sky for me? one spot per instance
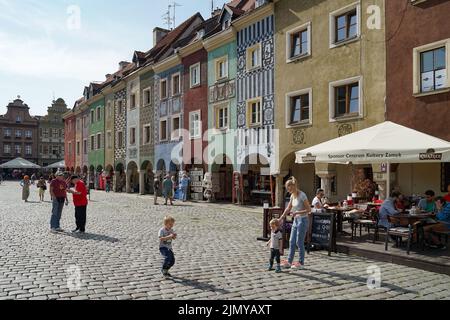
(53, 48)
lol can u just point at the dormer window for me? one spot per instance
(18, 119)
(200, 34)
(226, 24)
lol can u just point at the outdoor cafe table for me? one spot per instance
(339, 211)
(407, 219)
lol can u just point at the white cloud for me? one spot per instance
(43, 58)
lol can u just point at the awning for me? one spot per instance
(19, 163)
(384, 143)
(57, 165)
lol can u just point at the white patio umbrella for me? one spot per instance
(57, 165)
(19, 163)
(386, 143)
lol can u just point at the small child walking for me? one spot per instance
(166, 236)
(276, 245)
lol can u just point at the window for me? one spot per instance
(176, 85)
(18, 149)
(148, 97)
(7, 133)
(254, 113)
(433, 70)
(133, 101)
(28, 150)
(28, 134)
(92, 116)
(345, 98)
(120, 139)
(176, 128)
(61, 133)
(344, 25)
(18, 119)
(120, 107)
(222, 117)
(85, 146)
(55, 133)
(163, 92)
(109, 140)
(99, 114)
(254, 57)
(84, 122)
(6, 149)
(298, 43)
(299, 107)
(46, 133)
(46, 150)
(221, 68)
(55, 151)
(132, 136)
(195, 75)
(226, 24)
(70, 149)
(78, 148)
(99, 141)
(195, 125)
(147, 134)
(18, 133)
(163, 130)
(92, 143)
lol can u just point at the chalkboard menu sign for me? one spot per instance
(322, 231)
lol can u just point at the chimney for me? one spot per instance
(216, 12)
(158, 34)
(123, 64)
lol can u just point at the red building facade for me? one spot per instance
(418, 65)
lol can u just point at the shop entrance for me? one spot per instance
(149, 176)
(258, 184)
(222, 179)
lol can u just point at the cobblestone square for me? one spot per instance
(218, 256)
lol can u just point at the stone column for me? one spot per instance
(380, 178)
(142, 182)
(116, 181)
(128, 183)
(326, 173)
(279, 190)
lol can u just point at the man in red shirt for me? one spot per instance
(80, 202)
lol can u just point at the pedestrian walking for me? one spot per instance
(156, 188)
(25, 183)
(42, 186)
(58, 192)
(108, 183)
(80, 202)
(184, 186)
(276, 245)
(168, 190)
(175, 187)
(300, 208)
(166, 236)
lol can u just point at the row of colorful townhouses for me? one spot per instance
(235, 96)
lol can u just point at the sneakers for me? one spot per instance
(166, 273)
(59, 230)
(297, 266)
(278, 269)
(53, 230)
(270, 268)
(285, 265)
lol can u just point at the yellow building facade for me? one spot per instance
(330, 80)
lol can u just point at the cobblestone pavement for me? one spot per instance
(217, 255)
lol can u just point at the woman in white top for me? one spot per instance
(318, 202)
(300, 208)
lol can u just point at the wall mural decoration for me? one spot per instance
(345, 129)
(299, 136)
(222, 91)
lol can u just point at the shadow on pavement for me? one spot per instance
(198, 285)
(91, 236)
(356, 279)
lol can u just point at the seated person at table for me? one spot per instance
(447, 197)
(400, 204)
(442, 225)
(318, 202)
(428, 204)
(388, 208)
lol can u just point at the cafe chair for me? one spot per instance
(410, 232)
(441, 234)
(368, 222)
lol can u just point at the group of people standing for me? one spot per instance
(59, 188)
(168, 188)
